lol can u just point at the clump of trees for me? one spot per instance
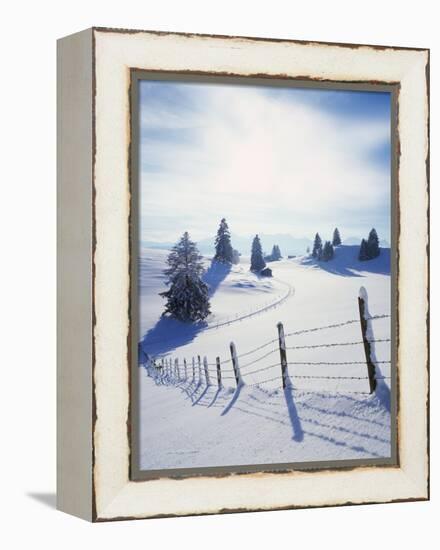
(369, 248)
(187, 297)
(275, 255)
(326, 251)
(257, 259)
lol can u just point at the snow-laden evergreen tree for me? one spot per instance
(363, 251)
(327, 251)
(373, 244)
(336, 237)
(257, 260)
(187, 296)
(223, 249)
(317, 247)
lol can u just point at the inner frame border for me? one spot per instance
(133, 424)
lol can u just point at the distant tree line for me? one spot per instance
(187, 297)
(325, 252)
(275, 255)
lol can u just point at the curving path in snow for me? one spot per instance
(290, 291)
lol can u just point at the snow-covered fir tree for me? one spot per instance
(317, 247)
(223, 249)
(336, 237)
(373, 244)
(257, 260)
(363, 251)
(187, 296)
(327, 251)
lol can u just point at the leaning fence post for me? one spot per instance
(185, 368)
(219, 372)
(176, 364)
(205, 366)
(199, 362)
(235, 365)
(367, 346)
(283, 355)
(194, 369)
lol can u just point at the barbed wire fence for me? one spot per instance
(239, 368)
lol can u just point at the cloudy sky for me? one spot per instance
(269, 159)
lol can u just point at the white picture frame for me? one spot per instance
(94, 267)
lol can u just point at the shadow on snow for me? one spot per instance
(262, 409)
(346, 264)
(215, 275)
(157, 341)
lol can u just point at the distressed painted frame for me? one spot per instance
(94, 273)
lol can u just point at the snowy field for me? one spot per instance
(328, 413)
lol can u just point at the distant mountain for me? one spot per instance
(357, 240)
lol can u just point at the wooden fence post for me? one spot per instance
(235, 365)
(205, 365)
(199, 362)
(194, 369)
(367, 346)
(283, 355)
(185, 368)
(176, 366)
(219, 372)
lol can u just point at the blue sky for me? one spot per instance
(269, 159)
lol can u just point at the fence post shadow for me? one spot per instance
(298, 432)
(233, 400)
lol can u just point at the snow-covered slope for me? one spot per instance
(328, 415)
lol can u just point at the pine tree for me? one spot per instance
(257, 260)
(317, 247)
(223, 249)
(328, 251)
(363, 251)
(187, 297)
(336, 237)
(373, 244)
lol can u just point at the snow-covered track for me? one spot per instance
(247, 315)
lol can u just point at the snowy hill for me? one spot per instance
(327, 415)
(345, 262)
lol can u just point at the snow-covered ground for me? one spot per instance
(327, 415)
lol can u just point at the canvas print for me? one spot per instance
(264, 276)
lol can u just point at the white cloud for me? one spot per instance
(269, 165)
